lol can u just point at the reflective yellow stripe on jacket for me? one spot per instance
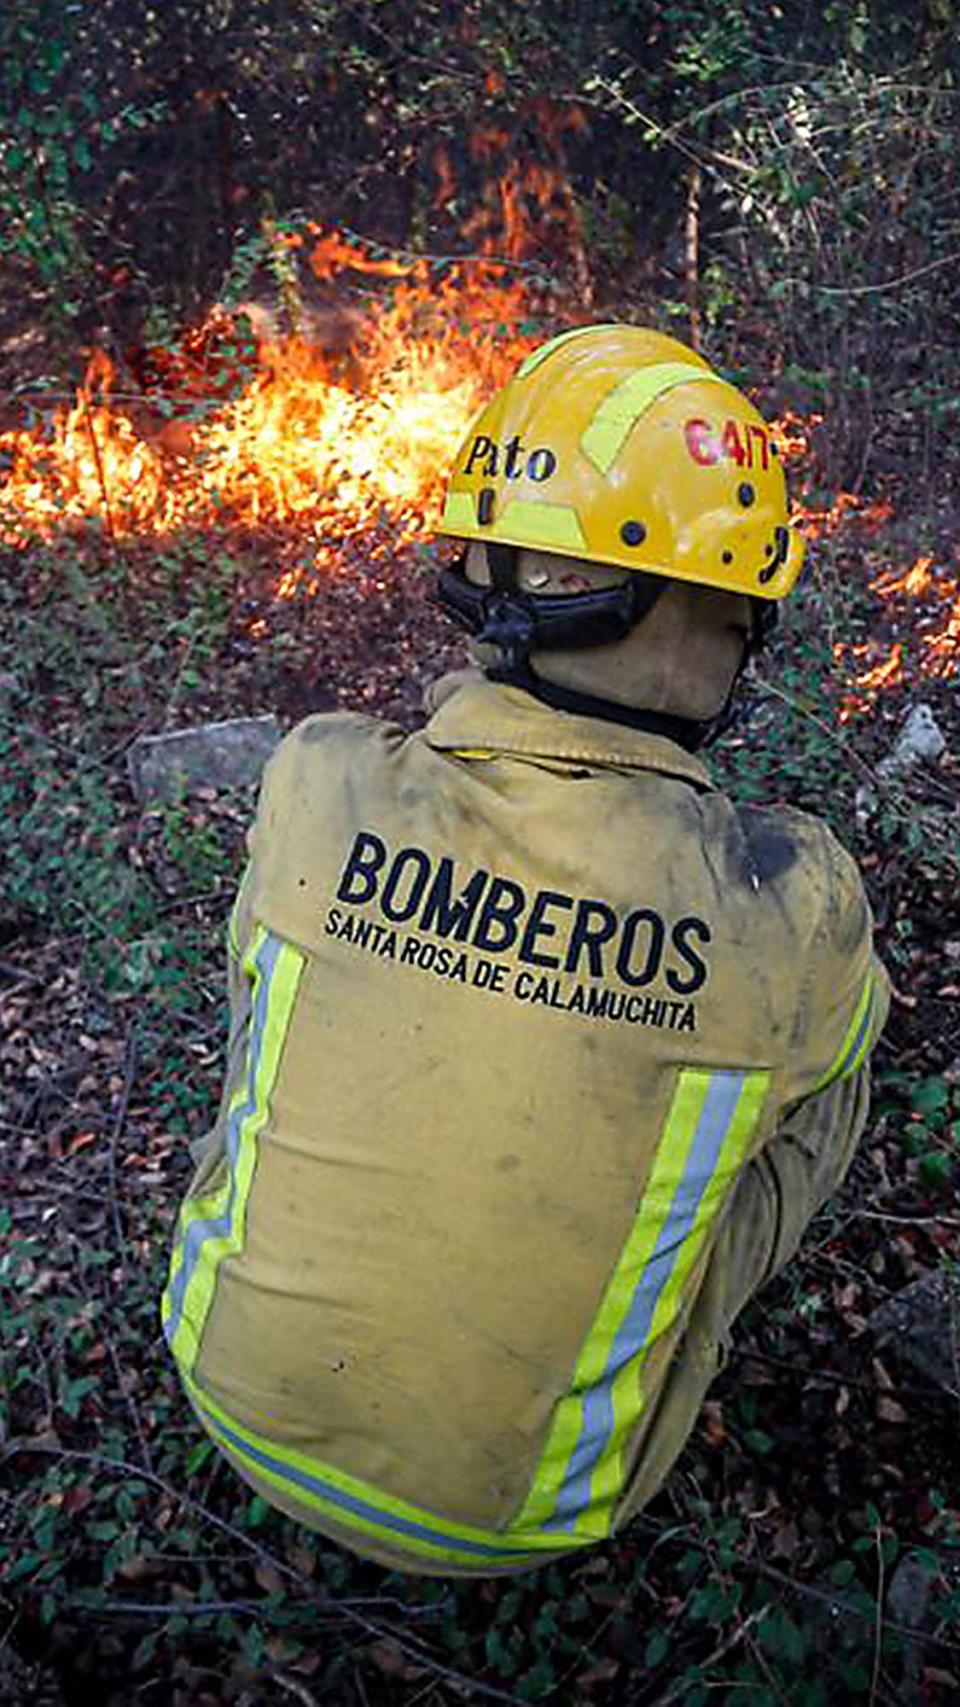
(707, 1134)
(853, 1050)
(348, 1500)
(212, 1228)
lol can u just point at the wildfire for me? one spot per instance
(343, 422)
(927, 601)
(341, 427)
(339, 416)
(846, 507)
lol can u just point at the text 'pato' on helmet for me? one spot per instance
(620, 446)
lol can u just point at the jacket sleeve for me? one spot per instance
(782, 1189)
(775, 1198)
(265, 833)
(844, 1000)
(844, 995)
(208, 1150)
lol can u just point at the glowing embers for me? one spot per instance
(925, 604)
(790, 433)
(844, 507)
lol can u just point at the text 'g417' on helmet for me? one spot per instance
(618, 445)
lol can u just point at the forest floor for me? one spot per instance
(134, 1567)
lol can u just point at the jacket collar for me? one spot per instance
(471, 714)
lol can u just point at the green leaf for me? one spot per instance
(25, 1566)
(257, 1512)
(937, 1169)
(103, 1531)
(199, 1456)
(144, 1651)
(254, 1645)
(500, 1656)
(656, 1649)
(781, 1638)
(856, 1677)
(930, 1096)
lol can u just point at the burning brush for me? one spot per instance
(336, 426)
(338, 417)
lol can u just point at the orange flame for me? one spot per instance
(915, 582)
(791, 434)
(344, 422)
(334, 432)
(846, 506)
(930, 600)
(334, 253)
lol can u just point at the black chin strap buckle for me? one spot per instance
(511, 626)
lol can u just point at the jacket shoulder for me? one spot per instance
(315, 782)
(841, 986)
(317, 751)
(777, 854)
(326, 731)
(782, 844)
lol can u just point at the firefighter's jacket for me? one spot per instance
(543, 1055)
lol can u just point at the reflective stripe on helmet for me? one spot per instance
(622, 407)
(550, 526)
(459, 513)
(706, 1138)
(212, 1227)
(525, 521)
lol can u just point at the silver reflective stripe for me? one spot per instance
(716, 1114)
(217, 1227)
(352, 1504)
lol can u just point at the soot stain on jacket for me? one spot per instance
(760, 847)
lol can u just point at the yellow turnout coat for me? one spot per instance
(543, 1054)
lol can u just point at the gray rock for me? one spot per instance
(922, 1326)
(212, 755)
(920, 741)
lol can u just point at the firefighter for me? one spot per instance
(543, 1051)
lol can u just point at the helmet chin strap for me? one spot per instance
(518, 623)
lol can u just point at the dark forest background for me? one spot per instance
(797, 159)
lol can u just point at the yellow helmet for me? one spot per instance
(620, 446)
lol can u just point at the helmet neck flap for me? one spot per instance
(518, 623)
